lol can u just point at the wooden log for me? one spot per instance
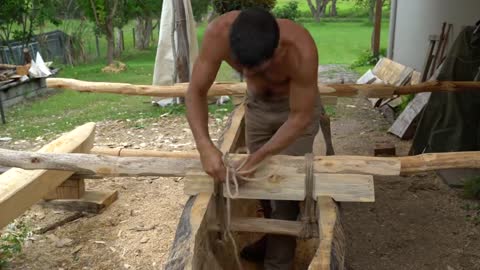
(125, 152)
(438, 161)
(170, 166)
(236, 89)
(88, 164)
(341, 187)
(20, 189)
(330, 254)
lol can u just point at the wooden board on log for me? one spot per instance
(341, 187)
(238, 89)
(20, 189)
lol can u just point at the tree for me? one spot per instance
(200, 9)
(370, 5)
(29, 15)
(144, 11)
(224, 6)
(333, 11)
(106, 14)
(318, 9)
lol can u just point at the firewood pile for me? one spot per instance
(11, 73)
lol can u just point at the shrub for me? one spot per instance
(472, 188)
(11, 241)
(200, 9)
(367, 59)
(288, 11)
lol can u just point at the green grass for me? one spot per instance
(337, 41)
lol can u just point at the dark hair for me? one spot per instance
(254, 36)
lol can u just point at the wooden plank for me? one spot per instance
(392, 73)
(93, 201)
(331, 251)
(70, 189)
(341, 187)
(263, 225)
(402, 124)
(222, 89)
(20, 189)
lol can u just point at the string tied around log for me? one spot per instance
(309, 219)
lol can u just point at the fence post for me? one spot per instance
(122, 40)
(133, 34)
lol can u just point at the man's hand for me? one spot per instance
(212, 163)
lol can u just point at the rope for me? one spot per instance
(310, 228)
(233, 176)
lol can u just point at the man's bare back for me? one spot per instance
(296, 51)
(278, 59)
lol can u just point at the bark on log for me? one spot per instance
(237, 89)
(180, 164)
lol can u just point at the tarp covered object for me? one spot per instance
(451, 121)
(164, 70)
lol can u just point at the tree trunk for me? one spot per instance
(377, 29)
(371, 10)
(183, 51)
(333, 12)
(143, 32)
(110, 42)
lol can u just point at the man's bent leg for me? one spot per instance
(280, 253)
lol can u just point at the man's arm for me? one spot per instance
(303, 97)
(203, 74)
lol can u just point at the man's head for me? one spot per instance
(254, 36)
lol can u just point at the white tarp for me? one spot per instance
(164, 70)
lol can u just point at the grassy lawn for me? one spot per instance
(338, 42)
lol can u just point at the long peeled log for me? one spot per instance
(238, 89)
(183, 164)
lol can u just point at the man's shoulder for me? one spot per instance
(220, 26)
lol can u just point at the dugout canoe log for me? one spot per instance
(238, 89)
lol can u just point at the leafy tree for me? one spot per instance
(28, 14)
(144, 11)
(107, 14)
(318, 8)
(288, 11)
(370, 6)
(224, 6)
(200, 8)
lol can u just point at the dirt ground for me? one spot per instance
(417, 222)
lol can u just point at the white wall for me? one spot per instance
(417, 19)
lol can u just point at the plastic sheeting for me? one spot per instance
(164, 71)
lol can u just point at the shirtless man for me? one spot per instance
(279, 61)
